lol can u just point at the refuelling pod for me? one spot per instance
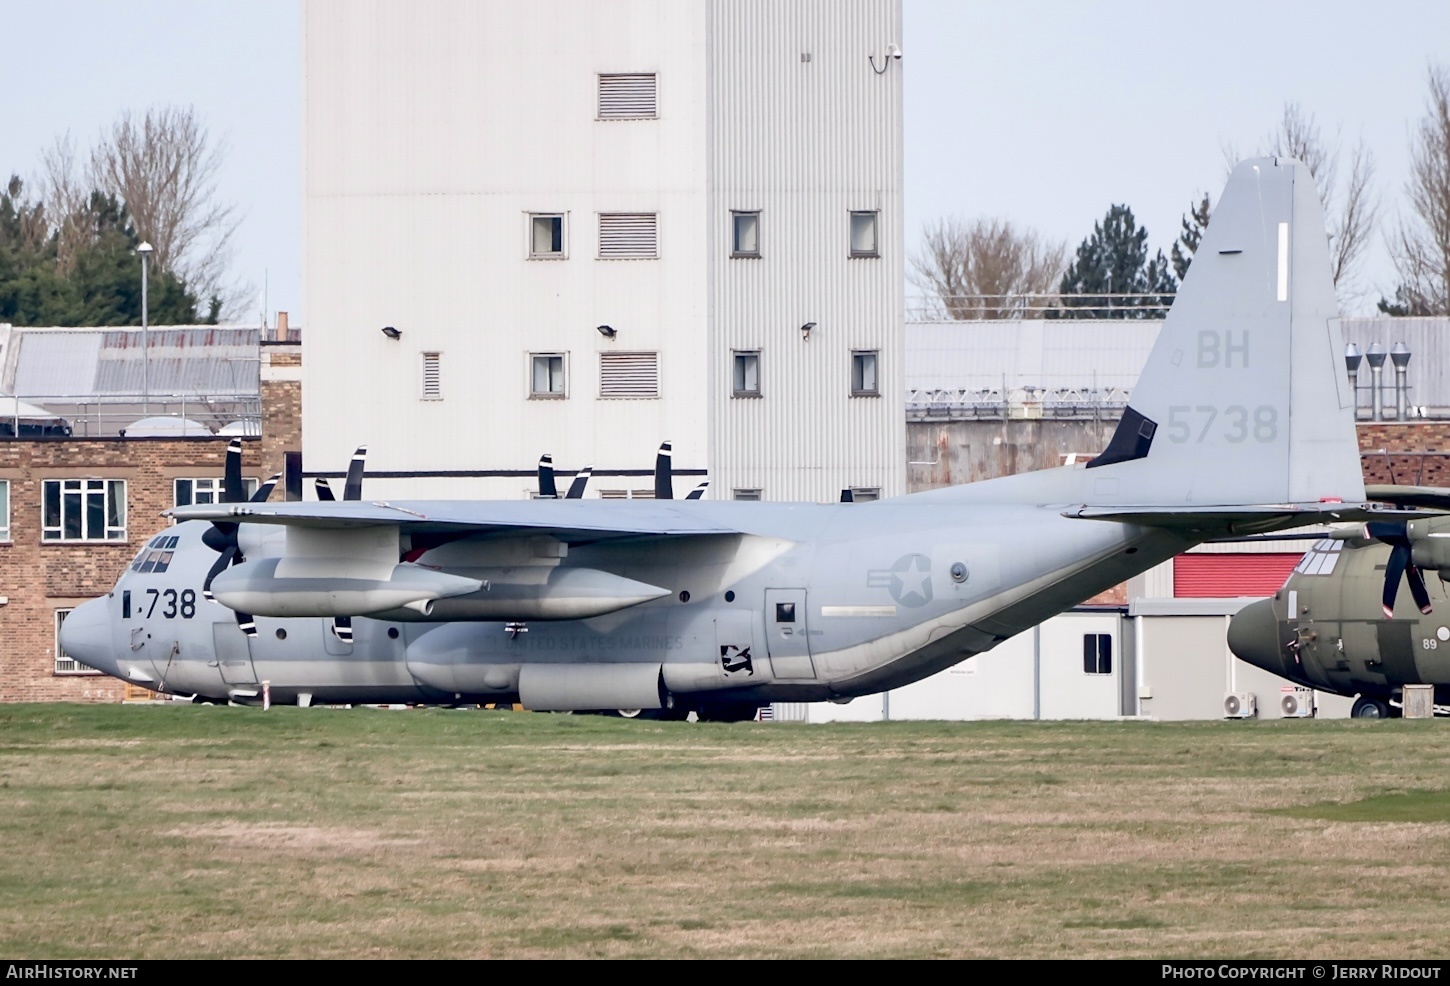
(255, 587)
(536, 593)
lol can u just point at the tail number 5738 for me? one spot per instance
(1234, 423)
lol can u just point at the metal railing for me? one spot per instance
(188, 415)
(977, 307)
(1015, 402)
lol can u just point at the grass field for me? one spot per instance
(161, 831)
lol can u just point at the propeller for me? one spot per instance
(699, 491)
(221, 537)
(351, 490)
(664, 482)
(581, 480)
(547, 489)
(1396, 535)
(324, 490)
(847, 496)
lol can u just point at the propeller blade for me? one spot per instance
(352, 490)
(342, 628)
(547, 489)
(664, 482)
(698, 493)
(246, 624)
(581, 480)
(1418, 592)
(265, 490)
(223, 560)
(1394, 568)
(847, 496)
(232, 489)
(324, 491)
(1400, 563)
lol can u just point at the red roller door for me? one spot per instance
(1231, 575)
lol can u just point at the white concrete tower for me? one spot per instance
(593, 226)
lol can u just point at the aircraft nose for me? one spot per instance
(86, 636)
(1253, 635)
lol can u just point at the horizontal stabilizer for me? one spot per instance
(1428, 497)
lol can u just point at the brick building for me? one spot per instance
(74, 509)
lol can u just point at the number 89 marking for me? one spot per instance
(1235, 423)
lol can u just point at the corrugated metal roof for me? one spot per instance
(1052, 354)
(1104, 354)
(100, 363)
(1428, 372)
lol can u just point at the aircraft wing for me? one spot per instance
(1254, 519)
(571, 521)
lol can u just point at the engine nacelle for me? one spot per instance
(1430, 543)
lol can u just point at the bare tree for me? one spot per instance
(1350, 213)
(66, 196)
(984, 268)
(164, 166)
(1420, 245)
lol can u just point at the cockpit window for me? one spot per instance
(1321, 559)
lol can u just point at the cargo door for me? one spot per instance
(787, 636)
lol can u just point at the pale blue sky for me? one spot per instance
(1042, 111)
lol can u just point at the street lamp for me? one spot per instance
(144, 249)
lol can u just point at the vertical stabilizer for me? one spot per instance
(1244, 398)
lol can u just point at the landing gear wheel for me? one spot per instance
(1366, 707)
(629, 713)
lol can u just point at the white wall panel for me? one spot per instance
(433, 130)
(806, 142)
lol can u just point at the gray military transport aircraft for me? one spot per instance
(1340, 623)
(1240, 423)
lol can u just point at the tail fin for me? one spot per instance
(1244, 398)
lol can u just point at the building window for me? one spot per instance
(432, 376)
(627, 96)
(863, 235)
(644, 494)
(547, 376)
(1097, 653)
(629, 375)
(63, 663)
(865, 494)
(744, 234)
(189, 491)
(84, 510)
(746, 381)
(4, 510)
(546, 237)
(747, 495)
(864, 382)
(628, 236)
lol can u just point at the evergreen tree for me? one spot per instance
(103, 283)
(1114, 261)
(1194, 223)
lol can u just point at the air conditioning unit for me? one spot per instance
(1296, 703)
(1240, 705)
